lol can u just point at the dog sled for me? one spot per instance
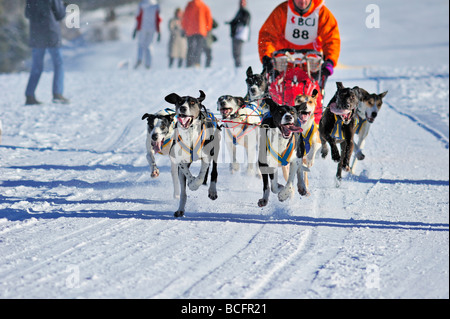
(297, 72)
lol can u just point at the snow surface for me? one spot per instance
(80, 216)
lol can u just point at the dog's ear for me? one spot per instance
(339, 85)
(149, 116)
(272, 105)
(314, 94)
(240, 101)
(170, 117)
(202, 96)
(172, 98)
(249, 72)
(382, 95)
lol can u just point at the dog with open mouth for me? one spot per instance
(240, 126)
(280, 139)
(196, 138)
(367, 111)
(306, 105)
(160, 129)
(338, 125)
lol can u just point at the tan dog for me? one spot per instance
(305, 106)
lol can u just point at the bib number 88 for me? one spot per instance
(300, 34)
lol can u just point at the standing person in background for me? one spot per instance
(240, 31)
(177, 41)
(209, 40)
(148, 22)
(45, 34)
(197, 22)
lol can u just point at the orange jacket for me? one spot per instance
(197, 18)
(272, 34)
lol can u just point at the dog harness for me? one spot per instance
(361, 123)
(165, 143)
(256, 111)
(193, 151)
(337, 130)
(307, 136)
(285, 157)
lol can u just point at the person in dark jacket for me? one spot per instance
(45, 35)
(240, 31)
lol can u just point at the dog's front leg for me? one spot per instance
(183, 195)
(286, 192)
(152, 163)
(176, 183)
(212, 192)
(195, 182)
(302, 180)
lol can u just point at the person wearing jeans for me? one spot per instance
(45, 35)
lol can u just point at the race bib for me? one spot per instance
(302, 30)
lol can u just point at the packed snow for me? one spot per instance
(80, 216)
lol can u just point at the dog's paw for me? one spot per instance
(338, 181)
(303, 191)
(155, 173)
(360, 156)
(178, 213)
(194, 184)
(285, 194)
(336, 157)
(324, 152)
(263, 202)
(212, 195)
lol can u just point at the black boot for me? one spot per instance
(31, 100)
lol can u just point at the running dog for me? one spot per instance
(257, 88)
(240, 122)
(338, 125)
(160, 128)
(367, 111)
(306, 106)
(280, 139)
(196, 137)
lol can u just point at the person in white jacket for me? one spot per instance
(148, 22)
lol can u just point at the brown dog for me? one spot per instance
(305, 106)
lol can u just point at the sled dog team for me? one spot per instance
(270, 134)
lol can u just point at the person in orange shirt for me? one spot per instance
(301, 24)
(197, 22)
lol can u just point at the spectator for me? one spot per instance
(148, 22)
(209, 40)
(45, 34)
(197, 22)
(240, 31)
(177, 41)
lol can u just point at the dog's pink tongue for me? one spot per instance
(294, 128)
(157, 146)
(304, 118)
(337, 111)
(184, 120)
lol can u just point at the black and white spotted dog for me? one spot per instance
(240, 120)
(280, 145)
(160, 128)
(196, 138)
(257, 88)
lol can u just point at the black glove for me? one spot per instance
(327, 68)
(267, 63)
